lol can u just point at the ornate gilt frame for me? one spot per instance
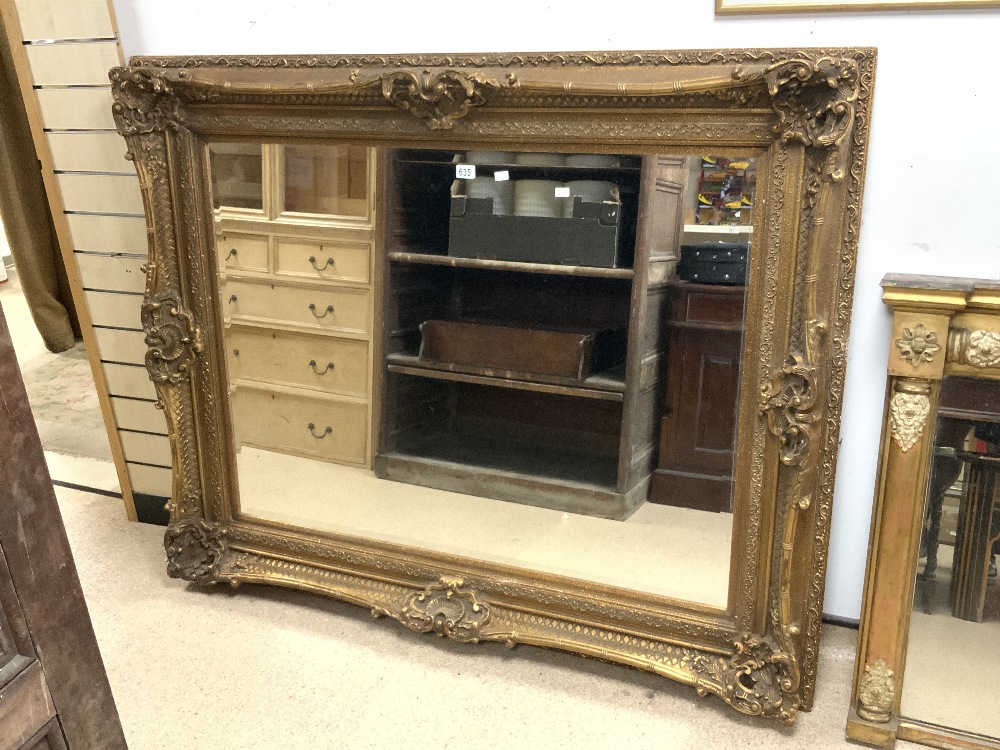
(940, 326)
(745, 7)
(804, 112)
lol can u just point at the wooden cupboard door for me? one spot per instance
(52, 681)
(703, 420)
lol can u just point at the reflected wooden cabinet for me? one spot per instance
(698, 430)
(295, 270)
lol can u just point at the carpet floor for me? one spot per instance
(270, 668)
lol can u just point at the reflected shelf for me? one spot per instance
(608, 385)
(517, 266)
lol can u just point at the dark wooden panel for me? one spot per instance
(698, 430)
(715, 308)
(41, 567)
(49, 737)
(658, 228)
(25, 709)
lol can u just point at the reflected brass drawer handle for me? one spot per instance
(312, 260)
(312, 308)
(232, 298)
(329, 366)
(232, 254)
(312, 429)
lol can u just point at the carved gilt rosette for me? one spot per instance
(976, 347)
(918, 345)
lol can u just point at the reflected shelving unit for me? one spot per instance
(585, 444)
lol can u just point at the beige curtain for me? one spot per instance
(27, 219)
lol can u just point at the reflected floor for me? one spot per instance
(674, 552)
(953, 666)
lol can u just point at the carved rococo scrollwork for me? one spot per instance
(788, 401)
(447, 608)
(974, 347)
(789, 398)
(758, 679)
(440, 98)
(143, 101)
(173, 339)
(194, 549)
(814, 99)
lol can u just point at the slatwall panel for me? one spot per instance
(139, 415)
(68, 48)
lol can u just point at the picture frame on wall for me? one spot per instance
(754, 7)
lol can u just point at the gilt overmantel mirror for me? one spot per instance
(928, 667)
(541, 348)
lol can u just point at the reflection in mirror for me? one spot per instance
(558, 342)
(237, 175)
(326, 180)
(952, 676)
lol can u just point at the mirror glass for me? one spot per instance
(520, 357)
(952, 675)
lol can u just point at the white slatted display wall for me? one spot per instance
(63, 51)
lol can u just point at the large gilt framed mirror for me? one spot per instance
(541, 348)
(928, 667)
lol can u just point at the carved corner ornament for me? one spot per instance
(440, 98)
(974, 347)
(876, 692)
(909, 408)
(143, 101)
(918, 345)
(759, 679)
(815, 99)
(194, 549)
(173, 339)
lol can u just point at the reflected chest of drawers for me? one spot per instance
(298, 310)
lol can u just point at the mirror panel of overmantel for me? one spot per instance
(510, 413)
(933, 675)
(952, 675)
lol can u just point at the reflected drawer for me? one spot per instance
(340, 261)
(333, 309)
(325, 363)
(242, 251)
(280, 422)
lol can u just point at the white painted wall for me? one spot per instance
(932, 202)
